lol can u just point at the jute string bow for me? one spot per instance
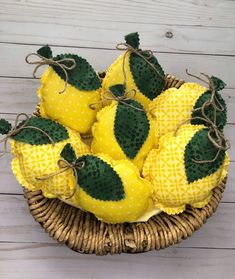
(215, 135)
(61, 63)
(109, 96)
(65, 166)
(16, 129)
(146, 55)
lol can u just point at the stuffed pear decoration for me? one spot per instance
(191, 101)
(138, 70)
(185, 168)
(123, 129)
(36, 145)
(67, 89)
(112, 190)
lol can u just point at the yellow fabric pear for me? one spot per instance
(113, 190)
(141, 73)
(177, 178)
(174, 106)
(124, 131)
(66, 99)
(36, 157)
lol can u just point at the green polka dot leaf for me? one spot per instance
(5, 127)
(131, 127)
(117, 90)
(219, 84)
(83, 76)
(68, 153)
(200, 148)
(133, 40)
(45, 51)
(148, 81)
(221, 116)
(36, 137)
(99, 180)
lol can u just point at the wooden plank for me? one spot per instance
(60, 262)
(19, 95)
(17, 225)
(221, 66)
(172, 12)
(196, 27)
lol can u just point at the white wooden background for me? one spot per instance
(202, 38)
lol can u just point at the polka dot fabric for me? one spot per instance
(137, 204)
(104, 140)
(165, 168)
(114, 75)
(70, 108)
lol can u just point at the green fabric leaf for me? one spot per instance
(83, 76)
(5, 127)
(35, 137)
(200, 148)
(219, 84)
(133, 40)
(131, 128)
(117, 90)
(45, 51)
(145, 77)
(99, 180)
(221, 116)
(68, 153)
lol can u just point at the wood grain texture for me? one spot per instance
(17, 225)
(196, 26)
(202, 39)
(48, 260)
(101, 59)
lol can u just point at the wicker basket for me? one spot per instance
(83, 233)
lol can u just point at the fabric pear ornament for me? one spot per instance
(123, 129)
(36, 145)
(190, 101)
(138, 70)
(112, 190)
(67, 89)
(185, 168)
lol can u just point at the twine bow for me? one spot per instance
(215, 135)
(16, 129)
(120, 99)
(65, 166)
(50, 61)
(144, 54)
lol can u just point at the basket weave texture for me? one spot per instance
(84, 233)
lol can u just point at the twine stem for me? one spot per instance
(50, 61)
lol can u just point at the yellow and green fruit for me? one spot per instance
(148, 81)
(36, 157)
(70, 108)
(174, 106)
(112, 190)
(177, 176)
(123, 130)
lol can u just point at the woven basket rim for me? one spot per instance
(84, 233)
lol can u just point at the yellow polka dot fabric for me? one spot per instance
(165, 168)
(104, 140)
(173, 106)
(37, 161)
(114, 75)
(137, 204)
(70, 108)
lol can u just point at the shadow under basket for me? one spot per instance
(84, 233)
